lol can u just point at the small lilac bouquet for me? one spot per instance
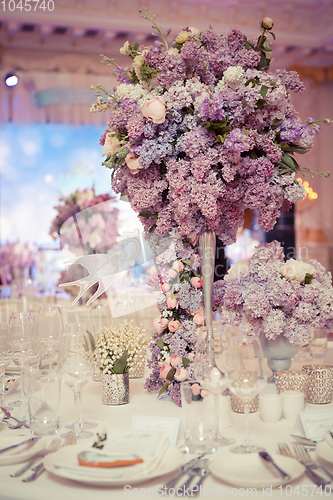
(266, 294)
(200, 130)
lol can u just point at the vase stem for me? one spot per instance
(207, 246)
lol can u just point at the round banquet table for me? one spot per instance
(51, 487)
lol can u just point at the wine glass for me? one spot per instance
(246, 377)
(23, 346)
(86, 329)
(76, 367)
(4, 361)
(211, 376)
(99, 315)
(50, 328)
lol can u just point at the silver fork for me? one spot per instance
(307, 460)
(70, 440)
(54, 446)
(285, 450)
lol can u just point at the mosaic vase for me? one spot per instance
(115, 389)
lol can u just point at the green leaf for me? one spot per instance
(185, 277)
(91, 340)
(260, 103)
(186, 362)
(170, 374)
(289, 161)
(308, 279)
(188, 262)
(145, 214)
(273, 34)
(264, 90)
(295, 149)
(164, 388)
(120, 364)
(160, 343)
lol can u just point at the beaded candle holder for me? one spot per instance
(291, 380)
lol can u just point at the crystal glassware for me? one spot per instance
(49, 330)
(87, 329)
(246, 377)
(76, 368)
(4, 361)
(23, 346)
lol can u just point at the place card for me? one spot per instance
(313, 424)
(169, 426)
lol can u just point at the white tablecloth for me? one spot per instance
(49, 487)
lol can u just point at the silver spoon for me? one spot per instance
(9, 415)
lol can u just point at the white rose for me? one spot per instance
(233, 76)
(236, 270)
(173, 51)
(295, 270)
(184, 35)
(125, 48)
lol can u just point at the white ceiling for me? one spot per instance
(304, 28)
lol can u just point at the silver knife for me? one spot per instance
(20, 444)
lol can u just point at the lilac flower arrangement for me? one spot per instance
(16, 257)
(266, 294)
(201, 130)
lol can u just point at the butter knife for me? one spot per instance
(182, 471)
(20, 444)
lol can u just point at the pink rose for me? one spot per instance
(196, 282)
(181, 374)
(195, 389)
(132, 162)
(199, 319)
(164, 370)
(175, 360)
(172, 273)
(165, 287)
(158, 326)
(164, 322)
(154, 110)
(204, 393)
(178, 266)
(191, 356)
(111, 144)
(172, 302)
(174, 325)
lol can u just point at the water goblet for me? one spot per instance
(210, 369)
(76, 368)
(246, 377)
(4, 361)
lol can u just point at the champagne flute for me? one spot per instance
(50, 327)
(246, 377)
(24, 348)
(86, 329)
(76, 367)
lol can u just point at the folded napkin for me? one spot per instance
(121, 444)
(328, 436)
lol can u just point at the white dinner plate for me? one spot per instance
(21, 453)
(325, 451)
(248, 471)
(171, 461)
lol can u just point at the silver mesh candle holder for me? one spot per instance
(237, 404)
(291, 380)
(115, 389)
(320, 384)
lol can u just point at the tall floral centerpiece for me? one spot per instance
(280, 300)
(198, 131)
